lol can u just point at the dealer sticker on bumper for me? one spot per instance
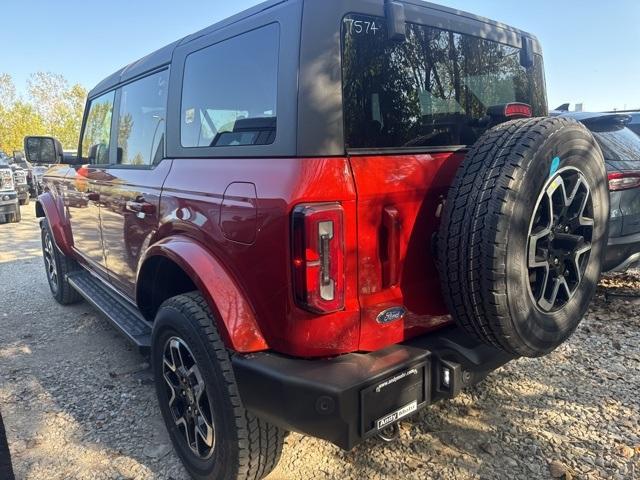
(397, 415)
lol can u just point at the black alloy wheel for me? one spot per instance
(48, 253)
(188, 399)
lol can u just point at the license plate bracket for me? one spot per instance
(397, 396)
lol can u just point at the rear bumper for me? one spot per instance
(8, 202)
(349, 398)
(622, 252)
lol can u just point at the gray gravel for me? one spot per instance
(77, 401)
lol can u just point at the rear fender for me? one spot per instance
(52, 208)
(236, 319)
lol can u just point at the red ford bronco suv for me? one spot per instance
(323, 216)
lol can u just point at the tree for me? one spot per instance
(7, 91)
(67, 117)
(46, 92)
(21, 120)
(51, 107)
(60, 106)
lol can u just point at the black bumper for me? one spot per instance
(8, 202)
(622, 252)
(349, 398)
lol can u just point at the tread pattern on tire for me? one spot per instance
(475, 226)
(67, 295)
(260, 443)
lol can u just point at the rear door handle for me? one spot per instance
(390, 247)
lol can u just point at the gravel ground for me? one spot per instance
(77, 402)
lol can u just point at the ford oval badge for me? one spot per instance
(391, 315)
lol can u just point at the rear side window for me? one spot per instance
(97, 130)
(432, 90)
(230, 91)
(141, 123)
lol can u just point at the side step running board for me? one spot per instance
(124, 316)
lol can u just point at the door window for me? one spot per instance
(229, 92)
(97, 130)
(142, 119)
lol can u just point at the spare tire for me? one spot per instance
(523, 234)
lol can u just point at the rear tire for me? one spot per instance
(243, 446)
(509, 236)
(57, 267)
(16, 216)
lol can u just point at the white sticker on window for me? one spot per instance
(189, 116)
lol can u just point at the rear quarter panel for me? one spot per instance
(192, 206)
(625, 204)
(630, 209)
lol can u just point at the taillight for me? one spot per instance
(509, 111)
(520, 110)
(318, 257)
(623, 180)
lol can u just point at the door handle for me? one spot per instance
(390, 247)
(93, 196)
(140, 207)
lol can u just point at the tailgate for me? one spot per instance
(397, 203)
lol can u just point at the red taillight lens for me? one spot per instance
(623, 180)
(318, 257)
(519, 110)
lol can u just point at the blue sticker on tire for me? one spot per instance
(555, 164)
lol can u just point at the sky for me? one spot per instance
(591, 48)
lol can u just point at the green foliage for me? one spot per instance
(51, 107)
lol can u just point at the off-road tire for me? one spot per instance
(484, 235)
(246, 447)
(61, 289)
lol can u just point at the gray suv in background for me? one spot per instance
(634, 124)
(621, 149)
(9, 205)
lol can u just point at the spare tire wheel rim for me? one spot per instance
(559, 240)
(188, 398)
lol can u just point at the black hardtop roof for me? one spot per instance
(163, 56)
(471, 16)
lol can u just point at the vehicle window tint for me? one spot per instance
(634, 125)
(142, 120)
(434, 89)
(229, 92)
(97, 130)
(618, 143)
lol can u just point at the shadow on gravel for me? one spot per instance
(78, 403)
(6, 469)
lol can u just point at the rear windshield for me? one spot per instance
(618, 144)
(432, 90)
